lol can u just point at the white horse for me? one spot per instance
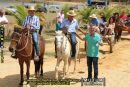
(64, 53)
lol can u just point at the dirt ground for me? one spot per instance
(114, 67)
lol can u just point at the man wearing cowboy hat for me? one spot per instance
(70, 25)
(94, 22)
(32, 22)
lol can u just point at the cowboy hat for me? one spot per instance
(31, 8)
(93, 16)
(71, 13)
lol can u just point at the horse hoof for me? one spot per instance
(41, 75)
(64, 77)
(28, 85)
(20, 85)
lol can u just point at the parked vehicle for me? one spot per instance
(10, 9)
(42, 9)
(27, 5)
(54, 8)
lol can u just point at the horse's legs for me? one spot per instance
(21, 72)
(56, 68)
(74, 65)
(119, 34)
(64, 67)
(69, 64)
(116, 35)
(28, 70)
(41, 66)
(37, 68)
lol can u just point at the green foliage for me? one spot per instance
(20, 14)
(66, 9)
(108, 12)
(85, 13)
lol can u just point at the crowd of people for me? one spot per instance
(97, 26)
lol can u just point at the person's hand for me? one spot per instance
(29, 26)
(33, 30)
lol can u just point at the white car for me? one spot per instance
(10, 9)
(53, 8)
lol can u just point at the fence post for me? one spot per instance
(2, 44)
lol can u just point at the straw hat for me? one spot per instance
(31, 8)
(93, 16)
(71, 13)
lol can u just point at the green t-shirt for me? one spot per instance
(93, 46)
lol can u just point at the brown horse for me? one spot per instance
(22, 45)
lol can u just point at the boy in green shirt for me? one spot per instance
(93, 41)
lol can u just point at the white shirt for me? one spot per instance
(71, 26)
(3, 18)
(60, 17)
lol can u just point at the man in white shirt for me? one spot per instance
(3, 19)
(70, 25)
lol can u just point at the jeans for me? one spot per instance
(93, 60)
(35, 38)
(73, 43)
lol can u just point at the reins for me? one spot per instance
(21, 49)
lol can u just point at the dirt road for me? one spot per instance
(114, 67)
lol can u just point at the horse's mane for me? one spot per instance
(59, 33)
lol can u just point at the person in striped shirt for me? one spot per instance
(32, 22)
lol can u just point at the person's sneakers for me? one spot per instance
(95, 79)
(89, 79)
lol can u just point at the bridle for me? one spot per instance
(61, 51)
(21, 49)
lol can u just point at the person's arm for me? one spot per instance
(77, 27)
(100, 42)
(80, 37)
(82, 31)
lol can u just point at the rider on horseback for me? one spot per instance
(70, 25)
(32, 22)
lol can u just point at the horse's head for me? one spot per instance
(59, 40)
(16, 35)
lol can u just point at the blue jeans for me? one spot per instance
(73, 43)
(35, 38)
